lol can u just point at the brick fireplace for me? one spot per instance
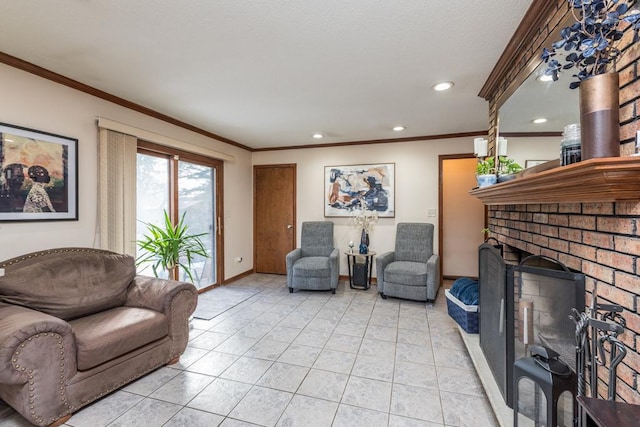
(591, 223)
(601, 240)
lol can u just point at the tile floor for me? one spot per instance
(307, 359)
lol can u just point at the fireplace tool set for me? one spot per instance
(596, 335)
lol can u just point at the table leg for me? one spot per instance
(350, 273)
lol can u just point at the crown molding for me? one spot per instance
(23, 65)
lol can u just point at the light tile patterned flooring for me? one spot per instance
(308, 359)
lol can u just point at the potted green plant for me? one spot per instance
(589, 46)
(508, 169)
(486, 172)
(170, 248)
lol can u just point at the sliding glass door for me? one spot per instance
(152, 199)
(196, 200)
(182, 184)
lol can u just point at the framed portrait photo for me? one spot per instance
(38, 175)
(351, 187)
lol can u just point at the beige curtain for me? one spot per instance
(117, 188)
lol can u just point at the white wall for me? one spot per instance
(522, 149)
(416, 184)
(32, 102)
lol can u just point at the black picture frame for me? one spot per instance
(38, 175)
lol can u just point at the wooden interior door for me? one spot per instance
(274, 216)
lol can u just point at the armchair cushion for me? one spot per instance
(312, 266)
(73, 288)
(414, 242)
(106, 335)
(407, 273)
(316, 238)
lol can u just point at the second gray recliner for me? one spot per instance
(412, 270)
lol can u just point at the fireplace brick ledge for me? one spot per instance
(611, 179)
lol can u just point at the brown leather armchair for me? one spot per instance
(77, 323)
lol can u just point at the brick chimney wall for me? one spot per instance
(601, 240)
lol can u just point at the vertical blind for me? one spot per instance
(117, 188)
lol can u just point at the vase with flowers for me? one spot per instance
(364, 219)
(590, 46)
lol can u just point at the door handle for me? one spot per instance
(289, 226)
(501, 328)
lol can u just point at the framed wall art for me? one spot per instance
(350, 187)
(38, 175)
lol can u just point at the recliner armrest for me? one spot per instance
(156, 293)
(432, 265)
(381, 263)
(334, 264)
(28, 337)
(292, 257)
(433, 276)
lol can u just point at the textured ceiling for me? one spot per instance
(268, 73)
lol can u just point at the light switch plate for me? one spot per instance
(1, 272)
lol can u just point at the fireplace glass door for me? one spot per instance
(545, 292)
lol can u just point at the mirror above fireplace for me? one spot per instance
(536, 99)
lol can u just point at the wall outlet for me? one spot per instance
(431, 212)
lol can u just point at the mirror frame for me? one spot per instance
(531, 29)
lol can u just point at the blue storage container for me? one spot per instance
(465, 315)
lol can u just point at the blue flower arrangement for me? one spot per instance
(589, 42)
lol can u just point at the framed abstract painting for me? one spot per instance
(38, 175)
(351, 187)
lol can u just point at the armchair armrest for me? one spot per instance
(381, 263)
(31, 340)
(292, 257)
(334, 264)
(157, 294)
(177, 300)
(433, 276)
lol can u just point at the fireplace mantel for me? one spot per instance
(611, 179)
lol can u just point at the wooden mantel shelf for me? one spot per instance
(611, 179)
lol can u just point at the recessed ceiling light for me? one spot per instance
(443, 86)
(398, 128)
(539, 120)
(318, 135)
(545, 78)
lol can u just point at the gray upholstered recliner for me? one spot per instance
(315, 264)
(412, 271)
